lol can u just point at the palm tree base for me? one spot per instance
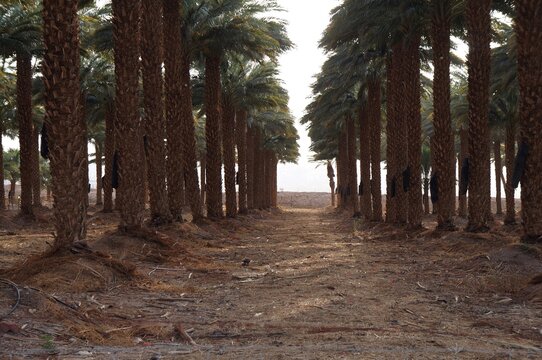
(531, 239)
(447, 226)
(477, 228)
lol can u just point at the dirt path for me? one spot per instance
(315, 288)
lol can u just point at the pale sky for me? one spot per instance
(307, 20)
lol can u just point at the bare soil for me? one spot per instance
(291, 284)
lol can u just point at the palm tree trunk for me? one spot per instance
(400, 70)
(365, 161)
(190, 164)
(109, 153)
(510, 153)
(426, 208)
(203, 167)
(241, 136)
(153, 85)
(331, 177)
(36, 180)
(2, 174)
(413, 103)
(274, 179)
(84, 178)
(267, 179)
(126, 14)
(479, 59)
(391, 150)
(529, 38)
(443, 156)
(352, 165)
(99, 165)
(259, 168)
(173, 90)
(463, 155)
(344, 187)
(60, 70)
(498, 174)
(228, 146)
(24, 119)
(374, 95)
(212, 137)
(251, 149)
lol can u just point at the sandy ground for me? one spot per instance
(292, 284)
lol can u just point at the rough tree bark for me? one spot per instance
(375, 113)
(155, 132)
(529, 38)
(228, 146)
(478, 14)
(62, 112)
(443, 144)
(510, 153)
(212, 137)
(24, 119)
(126, 16)
(241, 137)
(173, 98)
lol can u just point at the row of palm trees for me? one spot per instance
(381, 56)
(124, 77)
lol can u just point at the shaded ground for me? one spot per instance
(318, 286)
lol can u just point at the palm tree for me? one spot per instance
(365, 157)
(7, 120)
(20, 37)
(62, 106)
(479, 56)
(240, 30)
(126, 15)
(375, 113)
(151, 59)
(173, 65)
(529, 36)
(444, 140)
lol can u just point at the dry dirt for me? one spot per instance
(318, 285)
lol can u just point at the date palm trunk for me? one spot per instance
(498, 175)
(2, 174)
(365, 161)
(67, 140)
(153, 85)
(109, 154)
(36, 181)
(400, 71)
(259, 168)
(463, 155)
(352, 165)
(212, 137)
(99, 165)
(190, 165)
(413, 104)
(173, 98)
(267, 178)
(274, 180)
(228, 146)
(202, 175)
(24, 120)
(510, 153)
(391, 143)
(478, 14)
(529, 37)
(342, 165)
(443, 144)
(241, 137)
(126, 16)
(331, 177)
(375, 114)
(250, 167)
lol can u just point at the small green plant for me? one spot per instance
(48, 343)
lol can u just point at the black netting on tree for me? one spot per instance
(433, 186)
(44, 146)
(115, 172)
(519, 164)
